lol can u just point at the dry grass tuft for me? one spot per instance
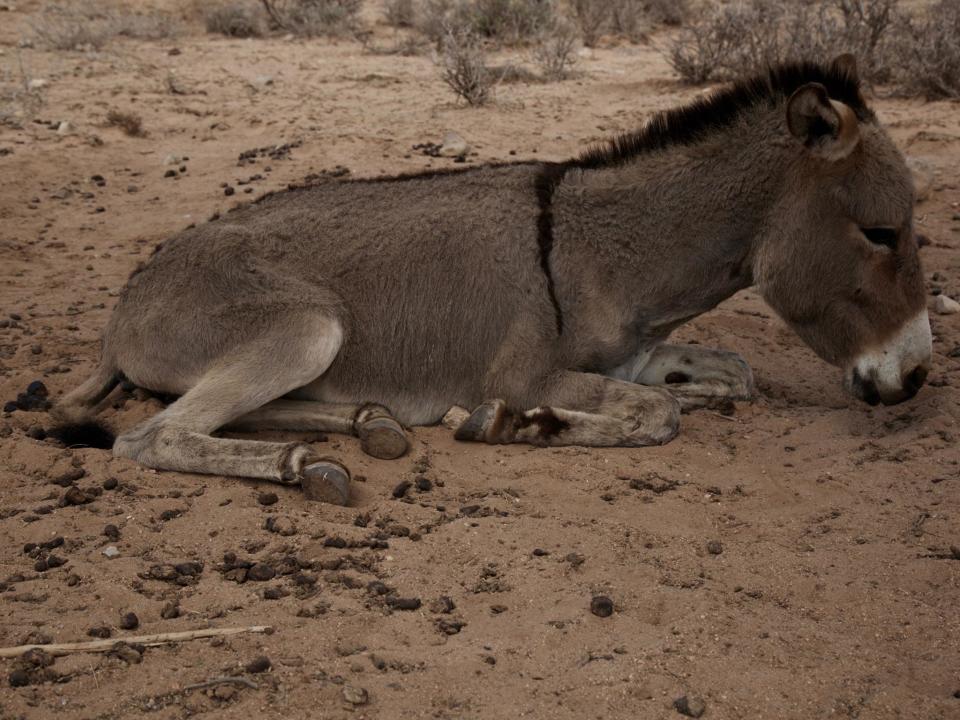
(130, 123)
(464, 68)
(239, 18)
(314, 18)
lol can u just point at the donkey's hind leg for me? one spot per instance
(698, 376)
(381, 436)
(580, 409)
(179, 437)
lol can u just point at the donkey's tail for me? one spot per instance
(74, 413)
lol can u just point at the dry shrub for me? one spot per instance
(312, 18)
(593, 17)
(19, 100)
(556, 54)
(463, 67)
(747, 37)
(240, 19)
(400, 13)
(661, 12)
(90, 25)
(929, 52)
(507, 21)
(129, 122)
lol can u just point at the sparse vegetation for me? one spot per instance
(61, 26)
(239, 18)
(19, 98)
(593, 17)
(312, 18)
(929, 52)
(737, 39)
(130, 123)
(400, 13)
(555, 54)
(464, 68)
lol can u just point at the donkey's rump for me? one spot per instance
(398, 262)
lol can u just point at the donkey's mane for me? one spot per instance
(717, 110)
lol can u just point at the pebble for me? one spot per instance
(399, 603)
(102, 632)
(355, 695)
(944, 305)
(19, 678)
(601, 606)
(75, 496)
(64, 128)
(261, 572)
(401, 488)
(454, 145)
(267, 498)
(130, 621)
(110, 552)
(714, 547)
(258, 664)
(281, 525)
(691, 706)
(170, 611)
(110, 484)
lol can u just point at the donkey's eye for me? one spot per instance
(882, 236)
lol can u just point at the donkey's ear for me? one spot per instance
(846, 65)
(829, 129)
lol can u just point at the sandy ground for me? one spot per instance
(835, 593)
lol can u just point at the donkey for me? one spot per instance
(539, 294)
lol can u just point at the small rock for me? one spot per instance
(714, 547)
(399, 603)
(401, 488)
(110, 484)
(258, 664)
(601, 606)
(75, 496)
(130, 654)
(355, 695)
(110, 552)
(224, 693)
(691, 706)
(19, 678)
(261, 572)
(943, 305)
(64, 128)
(102, 632)
(281, 525)
(442, 605)
(112, 532)
(130, 621)
(170, 611)
(454, 145)
(267, 498)
(38, 657)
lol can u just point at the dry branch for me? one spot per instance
(148, 640)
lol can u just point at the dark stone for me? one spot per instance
(401, 488)
(261, 572)
(690, 706)
(170, 611)
(102, 632)
(112, 532)
(267, 498)
(539, 552)
(601, 606)
(75, 496)
(399, 603)
(714, 547)
(19, 678)
(130, 621)
(110, 484)
(443, 605)
(424, 484)
(258, 664)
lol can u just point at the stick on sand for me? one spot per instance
(148, 640)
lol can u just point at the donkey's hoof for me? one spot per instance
(326, 481)
(383, 438)
(484, 423)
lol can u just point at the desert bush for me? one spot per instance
(747, 37)
(88, 24)
(507, 21)
(400, 13)
(311, 18)
(593, 17)
(463, 67)
(555, 54)
(928, 51)
(234, 19)
(19, 99)
(662, 12)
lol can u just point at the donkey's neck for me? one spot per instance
(643, 246)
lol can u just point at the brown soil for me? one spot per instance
(834, 591)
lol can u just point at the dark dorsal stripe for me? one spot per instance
(690, 123)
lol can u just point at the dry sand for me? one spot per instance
(834, 594)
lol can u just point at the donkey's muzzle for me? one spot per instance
(866, 388)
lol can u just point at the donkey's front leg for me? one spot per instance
(580, 409)
(698, 376)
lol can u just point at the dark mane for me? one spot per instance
(687, 124)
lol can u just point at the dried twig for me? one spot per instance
(148, 640)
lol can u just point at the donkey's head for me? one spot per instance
(839, 261)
